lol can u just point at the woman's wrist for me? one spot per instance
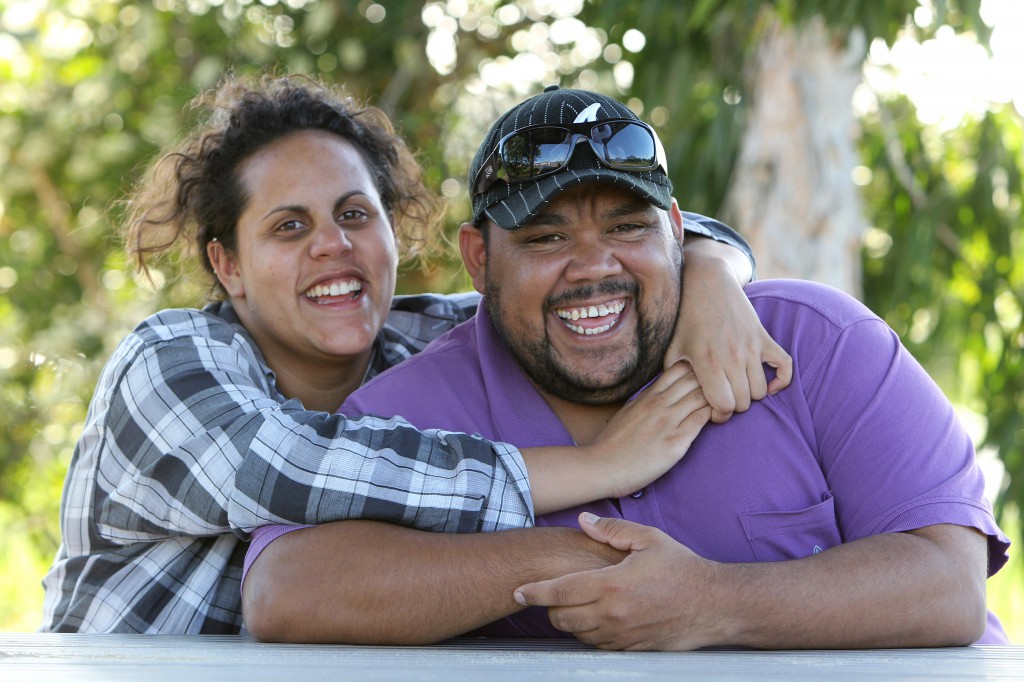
(702, 253)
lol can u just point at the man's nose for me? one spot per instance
(592, 260)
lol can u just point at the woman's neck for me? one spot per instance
(322, 387)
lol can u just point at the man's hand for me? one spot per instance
(720, 335)
(658, 598)
(919, 588)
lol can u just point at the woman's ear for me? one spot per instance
(225, 265)
(391, 222)
(474, 255)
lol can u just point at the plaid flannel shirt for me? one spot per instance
(188, 445)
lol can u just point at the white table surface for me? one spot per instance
(43, 657)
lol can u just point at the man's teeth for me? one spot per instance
(613, 308)
(334, 289)
(590, 331)
(585, 312)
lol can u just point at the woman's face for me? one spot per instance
(314, 272)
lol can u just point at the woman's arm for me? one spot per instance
(187, 439)
(640, 443)
(719, 333)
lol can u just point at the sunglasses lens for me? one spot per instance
(535, 152)
(625, 145)
(542, 150)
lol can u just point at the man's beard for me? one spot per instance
(538, 359)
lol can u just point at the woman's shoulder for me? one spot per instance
(176, 333)
(182, 339)
(415, 321)
(216, 322)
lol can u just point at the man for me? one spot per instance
(846, 511)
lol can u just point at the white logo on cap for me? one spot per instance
(588, 114)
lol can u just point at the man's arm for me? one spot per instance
(920, 588)
(376, 583)
(374, 576)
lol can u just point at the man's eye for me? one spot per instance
(631, 230)
(547, 239)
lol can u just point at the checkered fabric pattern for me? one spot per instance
(188, 445)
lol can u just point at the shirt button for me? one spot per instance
(638, 494)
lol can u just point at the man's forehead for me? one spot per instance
(606, 201)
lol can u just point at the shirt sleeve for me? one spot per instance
(870, 396)
(694, 223)
(196, 446)
(416, 320)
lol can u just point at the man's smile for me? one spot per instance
(597, 318)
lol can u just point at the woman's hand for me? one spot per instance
(652, 432)
(644, 439)
(720, 335)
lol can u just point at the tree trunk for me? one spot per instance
(792, 194)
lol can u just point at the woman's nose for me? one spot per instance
(331, 240)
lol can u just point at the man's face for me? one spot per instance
(586, 294)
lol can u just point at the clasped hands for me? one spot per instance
(660, 597)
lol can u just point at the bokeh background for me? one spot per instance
(876, 145)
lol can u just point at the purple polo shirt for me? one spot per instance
(862, 442)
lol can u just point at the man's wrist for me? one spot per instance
(580, 553)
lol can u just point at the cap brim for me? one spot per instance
(524, 201)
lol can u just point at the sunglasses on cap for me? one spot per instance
(539, 150)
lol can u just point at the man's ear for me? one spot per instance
(474, 255)
(226, 266)
(675, 217)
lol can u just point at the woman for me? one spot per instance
(208, 423)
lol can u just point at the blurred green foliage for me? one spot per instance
(90, 90)
(944, 265)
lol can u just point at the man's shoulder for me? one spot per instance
(812, 320)
(787, 297)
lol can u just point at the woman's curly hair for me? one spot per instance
(194, 193)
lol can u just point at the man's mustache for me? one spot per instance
(589, 291)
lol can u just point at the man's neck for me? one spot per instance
(583, 422)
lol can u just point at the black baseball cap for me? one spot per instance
(510, 204)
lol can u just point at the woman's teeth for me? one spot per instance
(334, 289)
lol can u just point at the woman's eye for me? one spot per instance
(351, 214)
(290, 226)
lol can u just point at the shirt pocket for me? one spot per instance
(784, 535)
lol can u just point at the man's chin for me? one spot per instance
(594, 394)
